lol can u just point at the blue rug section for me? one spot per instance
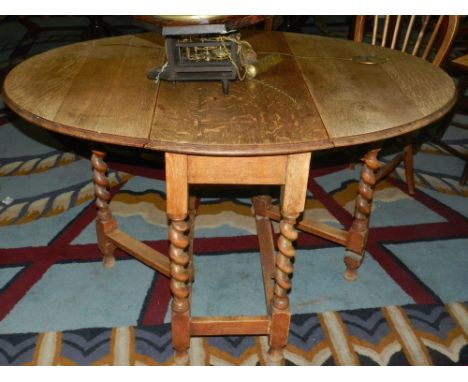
(231, 284)
(99, 297)
(20, 137)
(390, 208)
(402, 212)
(7, 274)
(135, 226)
(441, 265)
(33, 185)
(223, 230)
(228, 285)
(445, 165)
(38, 233)
(142, 184)
(143, 230)
(319, 285)
(455, 202)
(335, 181)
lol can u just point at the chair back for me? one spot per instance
(428, 37)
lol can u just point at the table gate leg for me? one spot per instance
(180, 277)
(104, 222)
(177, 212)
(280, 305)
(357, 238)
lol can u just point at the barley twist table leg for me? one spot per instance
(293, 196)
(180, 278)
(280, 303)
(193, 202)
(284, 267)
(359, 230)
(104, 221)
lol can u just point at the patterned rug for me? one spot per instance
(59, 306)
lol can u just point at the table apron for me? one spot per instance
(265, 170)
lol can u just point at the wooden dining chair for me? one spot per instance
(428, 37)
(459, 64)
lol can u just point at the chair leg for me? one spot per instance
(464, 176)
(437, 139)
(408, 160)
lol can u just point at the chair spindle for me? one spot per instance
(385, 31)
(432, 38)
(374, 33)
(408, 33)
(420, 35)
(395, 32)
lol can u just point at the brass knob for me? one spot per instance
(250, 71)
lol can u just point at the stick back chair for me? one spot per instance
(428, 37)
(460, 64)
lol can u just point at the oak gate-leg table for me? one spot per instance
(262, 133)
(289, 171)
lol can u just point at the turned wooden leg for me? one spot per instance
(180, 277)
(357, 238)
(293, 197)
(193, 203)
(104, 221)
(177, 211)
(280, 304)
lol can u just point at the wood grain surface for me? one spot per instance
(95, 90)
(317, 97)
(357, 101)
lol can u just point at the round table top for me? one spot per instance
(316, 97)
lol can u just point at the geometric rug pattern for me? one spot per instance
(408, 335)
(59, 306)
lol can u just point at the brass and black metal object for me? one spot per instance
(199, 53)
